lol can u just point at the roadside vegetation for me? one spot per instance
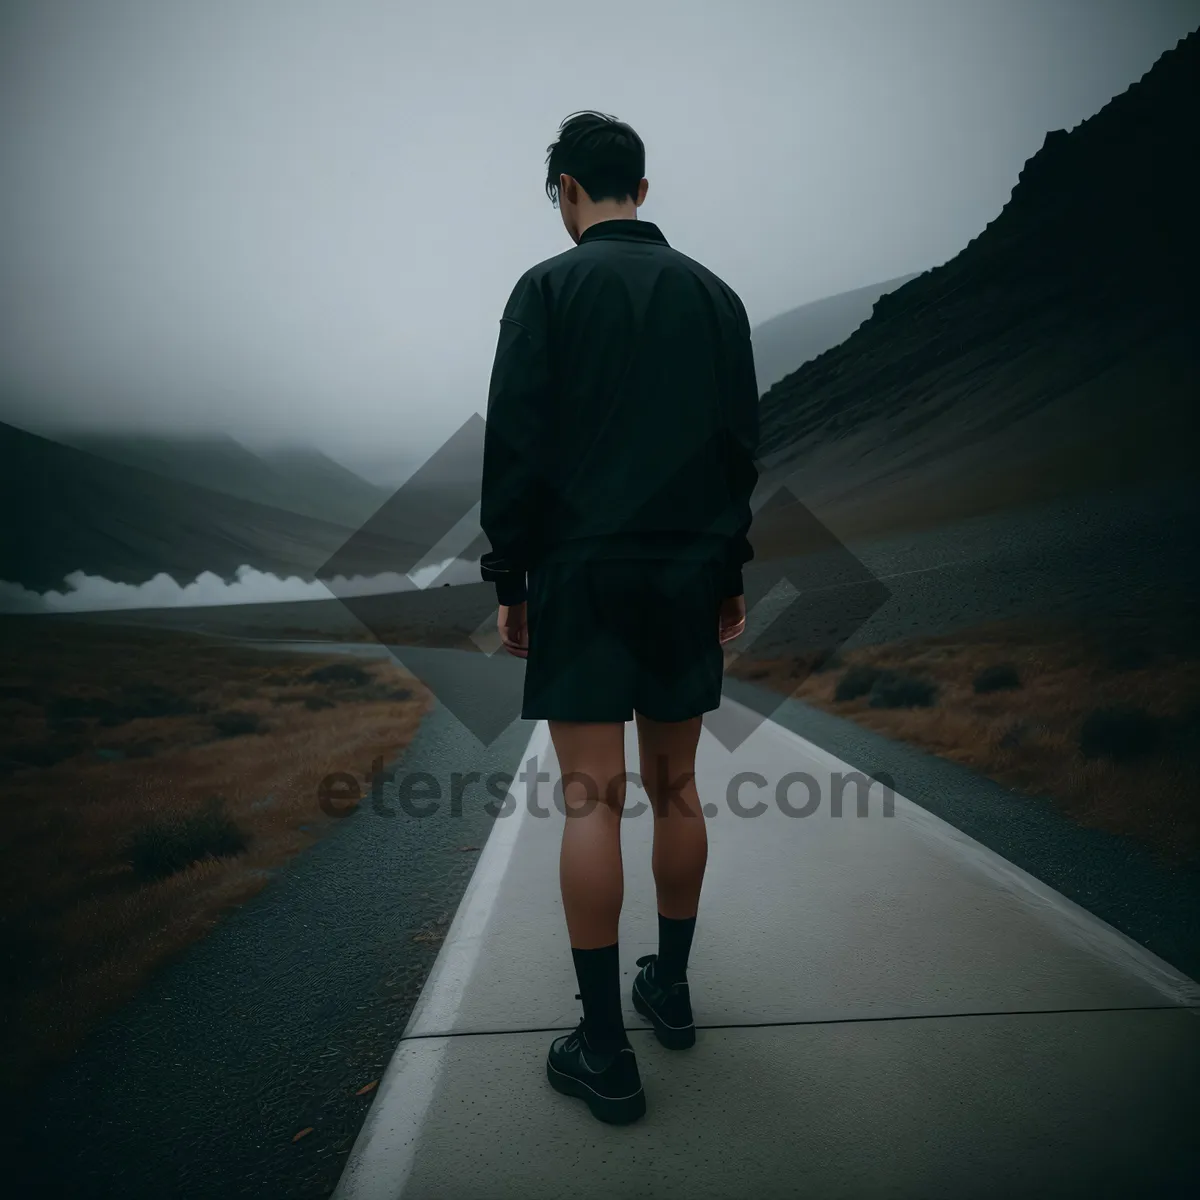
(1101, 717)
(153, 779)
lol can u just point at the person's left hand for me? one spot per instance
(732, 622)
(513, 623)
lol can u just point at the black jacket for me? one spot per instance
(622, 413)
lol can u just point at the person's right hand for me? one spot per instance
(513, 623)
(733, 618)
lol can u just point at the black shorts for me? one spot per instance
(608, 637)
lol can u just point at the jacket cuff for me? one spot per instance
(507, 575)
(731, 584)
(511, 590)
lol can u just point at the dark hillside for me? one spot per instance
(67, 510)
(1058, 350)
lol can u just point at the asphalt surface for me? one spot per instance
(273, 1022)
(298, 999)
(884, 1008)
(295, 1001)
(1111, 876)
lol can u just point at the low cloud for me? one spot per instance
(94, 593)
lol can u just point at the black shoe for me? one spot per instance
(668, 1007)
(608, 1080)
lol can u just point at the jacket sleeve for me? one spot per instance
(514, 441)
(742, 447)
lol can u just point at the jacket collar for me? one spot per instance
(624, 228)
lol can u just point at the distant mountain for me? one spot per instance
(784, 343)
(68, 510)
(1060, 349)
(297, 480)
(311, 482)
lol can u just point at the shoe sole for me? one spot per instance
(668, 1035)
(619, 1111)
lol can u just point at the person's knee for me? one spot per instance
(585, 791)
(670, 786)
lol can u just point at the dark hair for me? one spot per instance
(605, 155)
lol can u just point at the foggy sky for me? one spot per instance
(293, 221)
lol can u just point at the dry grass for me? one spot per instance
(80, 929)
(1028, 737)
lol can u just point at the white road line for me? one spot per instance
(382, 1158)
(384, 1152)
(438, 1004)
(1073, 922)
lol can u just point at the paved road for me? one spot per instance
(299, 998)
(272, 1023)
(884, 1008)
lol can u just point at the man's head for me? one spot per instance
(595, 171)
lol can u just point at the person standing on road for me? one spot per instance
(618, 466)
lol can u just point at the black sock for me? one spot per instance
(599, 975)
(674, 945)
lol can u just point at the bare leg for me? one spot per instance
(668, 768)
(592, 759)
